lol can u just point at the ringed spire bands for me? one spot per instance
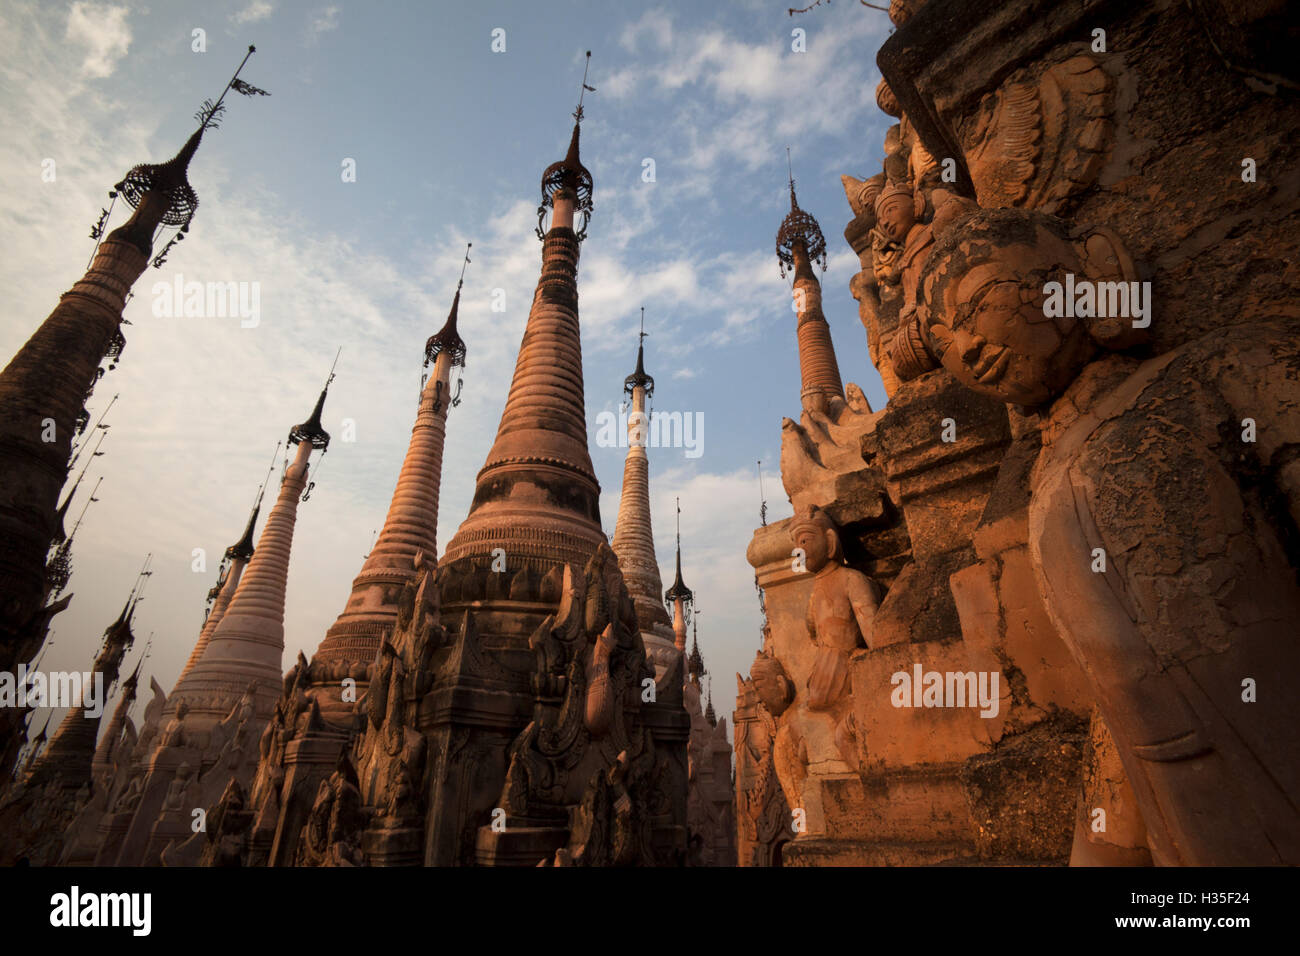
(633, 536)
(537, 497)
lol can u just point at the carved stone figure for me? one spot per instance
(1174, 471)
(331, 836)
(839, 619)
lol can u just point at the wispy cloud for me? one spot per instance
(104, 34)
(255, 12)
(321, 22)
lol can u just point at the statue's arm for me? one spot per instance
(862, 598)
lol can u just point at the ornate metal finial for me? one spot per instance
(170, 177)
(679, 590)
(122, 626)
(311, 430)
(569, 173)
(639, 378)
(577, 114)
(128, 688)
(762, 496)
(243, 548)
(447, 339)
(99, 426)
(799, 229)
(695, 662)
(789, 165)
(58, 569)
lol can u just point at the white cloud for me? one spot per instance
(321, 22)
(655, 26)
(103, 31)
(748, 99)
(255, 12)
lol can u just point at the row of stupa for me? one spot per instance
(457, 711)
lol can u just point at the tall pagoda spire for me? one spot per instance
(69, 757)
(238, 669)
(102, 761)
(634, 543)
(679, 597)
(45, 385)
(411, 527)
(799, 243)
(633, 537)
(235, 560)
(537, 497)
(246, 645)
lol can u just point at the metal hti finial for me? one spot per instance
(461, 281)
(210, 114)
(569, 176)
(762, 497)
(137, 590)
(639, 378)
(679, 591)
(799, 230)
(577, 114)
(789, 165)
(334, 366)
(447, 339)
(262, 490)
(311, 430)
(170, 177)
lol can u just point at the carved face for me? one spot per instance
(771, 685)
(983, 308)
(816, 545)
(895, 215)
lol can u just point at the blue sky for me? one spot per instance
(449, 140)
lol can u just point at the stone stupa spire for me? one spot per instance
(102, 761)
(69, 758)
(44, 387)
(633, 537)
(410, 529)
(223, 592)
(634, 543)
(404, 553)
(246, 645)
(679, 597)
(537, 497)
(799, 243)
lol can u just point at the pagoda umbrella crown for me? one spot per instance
(799, 228)
(639, 378)
(569, 175)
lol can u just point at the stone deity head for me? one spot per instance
(816, 535)
(984, 295)
(896, 212)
